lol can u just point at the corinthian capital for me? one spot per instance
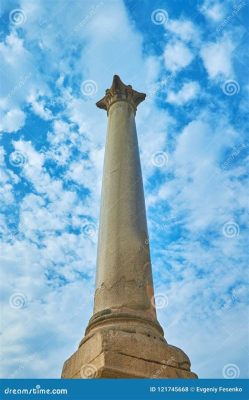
(120, 92)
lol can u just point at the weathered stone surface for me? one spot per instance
(118, 354)
(124, 337)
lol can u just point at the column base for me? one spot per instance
(121, 354)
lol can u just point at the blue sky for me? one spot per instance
(57, 59)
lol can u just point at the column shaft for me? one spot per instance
(124, 279)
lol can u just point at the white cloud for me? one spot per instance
(194, 164)
(217, 58)
(188, 92)
(39, 107)
(183, 29)
(7, 179)
(177, 56)
(213, 10)
(12, 120)
(198, 200)
(18, 77)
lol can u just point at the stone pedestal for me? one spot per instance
(112, 353)
(124, 338)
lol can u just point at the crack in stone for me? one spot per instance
(121, 281)
(153, 361)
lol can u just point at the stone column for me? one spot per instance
(124, 287)
(123, 337)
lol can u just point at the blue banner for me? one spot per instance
(124, 389)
